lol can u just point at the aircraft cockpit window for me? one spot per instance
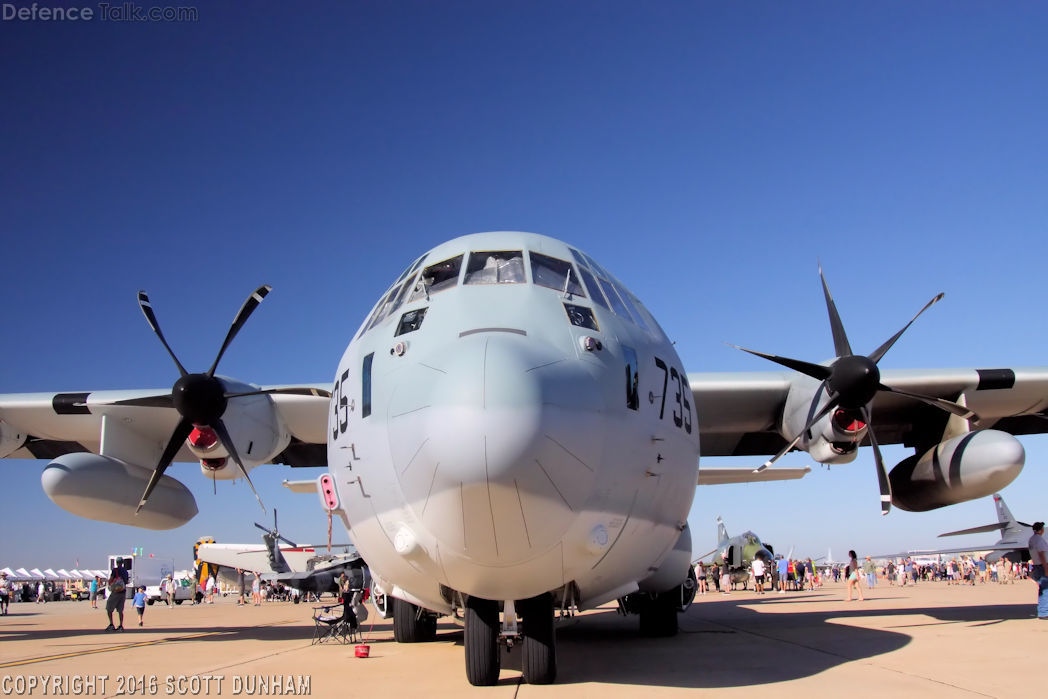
(410, 321)
(591, 284)
(383, 308)
(437, 277)
(579, 258)
(625, 295)
(581, 316)
(613, 297)
(495, 267)
(555, 274)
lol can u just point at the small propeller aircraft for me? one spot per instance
(305, 568)
(510, 433)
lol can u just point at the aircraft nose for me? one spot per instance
(503, 448)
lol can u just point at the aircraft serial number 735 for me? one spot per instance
(510, 433)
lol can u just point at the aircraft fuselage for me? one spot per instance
(511, 421)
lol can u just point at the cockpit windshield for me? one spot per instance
(495, 267)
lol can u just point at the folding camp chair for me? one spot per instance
(335, 622)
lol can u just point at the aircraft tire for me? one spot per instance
(481, 641)
(408, 625)
(658, 616)
(539, 650)
(178, 601)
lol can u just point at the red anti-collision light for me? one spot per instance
(203, 437)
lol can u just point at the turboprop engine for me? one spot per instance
(964, 468)
(107, 489)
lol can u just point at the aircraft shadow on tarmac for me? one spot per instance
(726, 644)
(723, 643)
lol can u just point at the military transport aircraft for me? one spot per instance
(510, 432)
(1012, 544)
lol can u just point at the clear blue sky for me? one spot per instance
(707, 153)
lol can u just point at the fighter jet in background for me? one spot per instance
(739, 551)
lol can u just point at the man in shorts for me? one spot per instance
(5, 593)
(118, 580)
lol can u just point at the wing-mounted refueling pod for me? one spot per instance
(830, 416)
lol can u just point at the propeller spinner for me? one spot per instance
(851, 381)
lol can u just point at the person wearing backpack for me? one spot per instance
(118, 580)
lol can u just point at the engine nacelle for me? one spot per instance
(257, 430)
(964, 468)
(835, 438)
(109, 490)
(10, 439)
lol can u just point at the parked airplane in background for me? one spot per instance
(739, 551)
(511, 432)
(1013, 544)
(305, 568)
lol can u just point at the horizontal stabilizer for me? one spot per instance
(309, 486)
(722, 476)
(996, 526)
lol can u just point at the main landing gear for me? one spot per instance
(412, 624)
(483, 632)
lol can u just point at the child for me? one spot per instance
(139, 603)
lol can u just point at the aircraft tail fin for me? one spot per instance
(722, 532)
(1004, 515)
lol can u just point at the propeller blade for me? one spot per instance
(304, 391)
(227, 442)
(882, 475)
(238, 322)
(782, 452)
(840, 338)
(816, 371)
(163, 400)
(941, 403)
(265, 529)
(173, 445)
(880, 351)
(147, 311)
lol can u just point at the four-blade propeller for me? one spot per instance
(851, 381)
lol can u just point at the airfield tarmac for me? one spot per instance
(931, 638)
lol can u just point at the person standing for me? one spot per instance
(242, 584)
(139, 603)
(256, 590)
(92, 592)
(758, 575)
(782, 565)
(118, 580)
(5, 593)
(853, 576)
(700, 577)
(871, 572)
(1038, 564)
(725, 578)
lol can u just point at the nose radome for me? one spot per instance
(492, 450)
(489, 410)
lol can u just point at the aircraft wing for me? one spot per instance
(723, 476)
(938, 552)
(995, 527)
(48, 425)
(740, 414)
